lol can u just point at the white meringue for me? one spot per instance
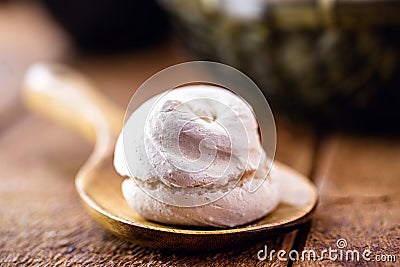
(239, 207)
(199, 135)
(189, 146)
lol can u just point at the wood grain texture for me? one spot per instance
(358, 178)
(44, 223)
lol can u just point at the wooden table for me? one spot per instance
(43, 223)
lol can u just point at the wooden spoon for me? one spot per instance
(65, 96)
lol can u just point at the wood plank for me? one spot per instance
(119, 76)
(358, 178)
(295, 144)
(43, 221)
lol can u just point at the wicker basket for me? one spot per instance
(332, 62)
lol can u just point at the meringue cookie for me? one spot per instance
(199, 135)
(191, 145)
(239, 207)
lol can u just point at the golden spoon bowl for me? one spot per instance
(67, 97)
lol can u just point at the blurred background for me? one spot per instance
(330, 70)
(331, 64)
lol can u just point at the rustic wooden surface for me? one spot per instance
(43, 224)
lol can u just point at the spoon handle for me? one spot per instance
(63, 95)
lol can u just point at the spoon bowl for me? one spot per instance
(67, 97)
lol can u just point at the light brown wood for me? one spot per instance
(55, 229)
(358, 179)
(43, 222)
(67, 97)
